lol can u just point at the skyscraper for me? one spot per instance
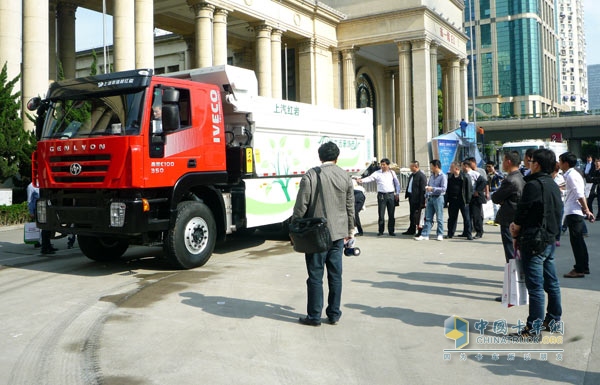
(571, 46)
(515, 57)
(594, 86)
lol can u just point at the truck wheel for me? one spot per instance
(191, 240)
(102, 249)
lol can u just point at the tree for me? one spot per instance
(16, 144)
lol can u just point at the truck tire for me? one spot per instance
(102, 249)
(191, 240)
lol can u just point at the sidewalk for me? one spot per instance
(240, 326)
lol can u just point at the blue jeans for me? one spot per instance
(540, 277)
(315, 265)
(435, 205)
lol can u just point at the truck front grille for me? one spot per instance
(80, 168)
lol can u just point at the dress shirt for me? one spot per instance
(439, 183)
(386, 181)
(409, 188)
(575, 187)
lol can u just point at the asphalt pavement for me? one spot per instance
(235, 320)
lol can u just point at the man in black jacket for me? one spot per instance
(415, 193)
(458, 194)
(507, 196)
(540, 203)
(480, 188)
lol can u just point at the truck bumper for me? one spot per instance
(88, 216)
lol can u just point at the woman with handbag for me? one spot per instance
(325, 192)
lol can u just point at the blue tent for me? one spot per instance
(452, 146)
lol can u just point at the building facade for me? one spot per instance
(571, 46)
(515, 57)
(593, 72)
(344, 54)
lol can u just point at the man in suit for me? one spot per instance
(415, 193)
(338, 204)
(479, 197)
(459, 194)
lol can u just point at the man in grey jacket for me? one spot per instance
(338, 199)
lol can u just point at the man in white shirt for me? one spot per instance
(388, 190)
(576, 210)
(589, 166)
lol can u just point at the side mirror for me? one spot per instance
(34, 103)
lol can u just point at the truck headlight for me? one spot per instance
(41, 210)
(117, 214)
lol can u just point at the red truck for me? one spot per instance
(181, 161)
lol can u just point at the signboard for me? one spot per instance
(556, 137)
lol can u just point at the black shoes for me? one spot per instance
(49, 250)
(309, 322)
(408, 233)
(392, 234)
(313, 322)
(478, 235)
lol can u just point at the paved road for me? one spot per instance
(67, 320)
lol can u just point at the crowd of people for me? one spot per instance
(533, 202)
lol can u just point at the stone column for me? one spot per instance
(306, 75)
(349, 76)
(220, 37)
(464, 100)
(124, 35)
(144, 34)
(323, 75)
(338, 89)
(65, 17)
(10, 37)
(52, 49)
(203, 34)
(454, 87)
(435, 125)
(404, 128)
(35, 53)
(276, 82)
(263, 58)
(422, 100)
(385, 139)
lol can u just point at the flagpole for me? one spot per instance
(104, 36)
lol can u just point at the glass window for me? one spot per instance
(507, 109)
(484, 9)
(95, 116)
(472, 61)
(486, 35)
(487, 75)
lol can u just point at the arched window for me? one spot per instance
(365, 97)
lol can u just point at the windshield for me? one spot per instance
(108, 115)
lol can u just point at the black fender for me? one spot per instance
(201, 186)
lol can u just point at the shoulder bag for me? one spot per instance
(310, 234)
